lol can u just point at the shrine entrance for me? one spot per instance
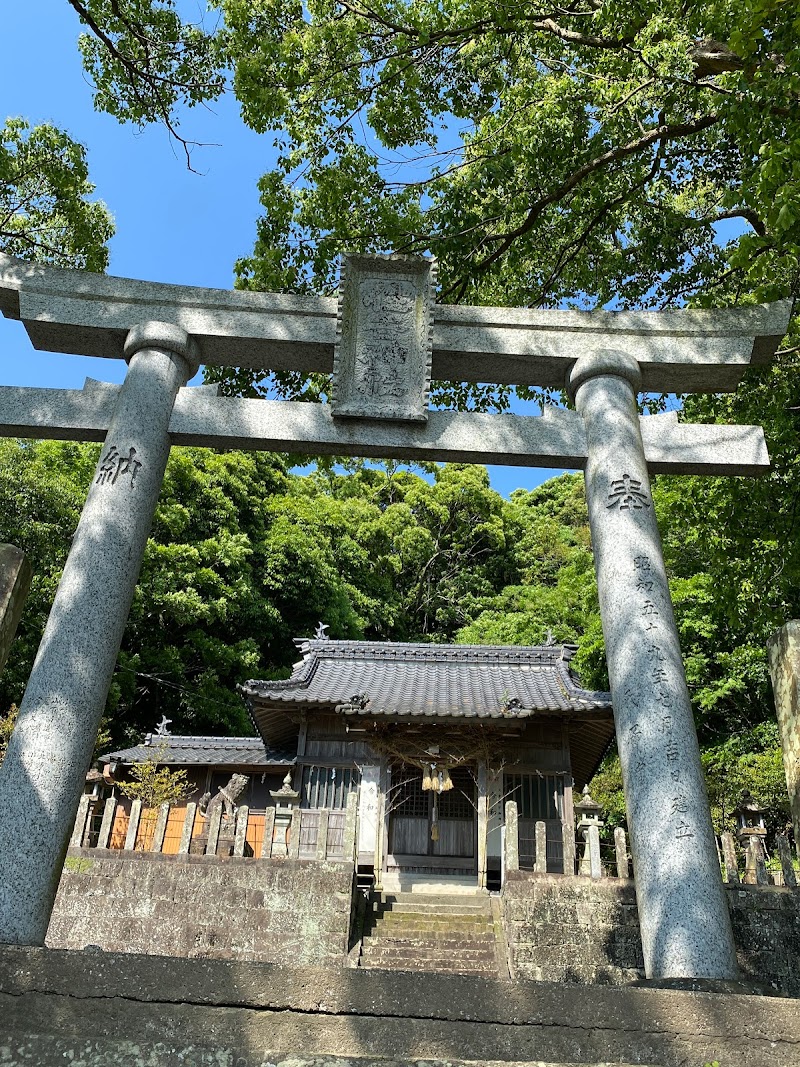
(385, 339)
(431, 831)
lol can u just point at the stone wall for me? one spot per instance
(279, 911)
(766, 926)
(586, 931)
(572, 929)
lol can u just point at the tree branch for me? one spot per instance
(661, 133)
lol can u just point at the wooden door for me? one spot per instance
(414, 814)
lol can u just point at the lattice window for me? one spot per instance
(407, 796)
(537, 796)
(458, 802)
(327, 787)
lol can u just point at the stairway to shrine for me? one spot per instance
(443, 933)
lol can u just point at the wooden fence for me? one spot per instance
(320, 834)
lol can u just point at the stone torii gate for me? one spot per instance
(383, 340)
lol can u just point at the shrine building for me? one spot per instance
(433, 739)
(437, 737)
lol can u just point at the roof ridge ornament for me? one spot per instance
(321, 632)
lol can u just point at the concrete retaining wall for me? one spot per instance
(100, 1009)
(280, 911)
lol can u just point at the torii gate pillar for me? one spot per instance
(52, 744)
(683, 913)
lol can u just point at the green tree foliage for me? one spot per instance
(606, 153)
(155, 784)
(751, 761)
(550, 592)
(45, 213)
(244, 556)
(733, 555)
(6, 727)
(146, 61)
(585, 151)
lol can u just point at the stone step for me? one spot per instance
(481, 952)
(474, 926)
(456, 933)
(433, 910)
(440, 944)
(381, 929)
(428, 885)
(420, 906)
(475, 900)
(475, 970)
(455, 937)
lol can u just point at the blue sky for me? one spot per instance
(172, 225)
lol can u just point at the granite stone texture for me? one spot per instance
(766, 926)
(382, 359)
(42, 775)
(784, 668)
(686, 931)
(554, 439)
(84, 1007)
(290, 912)
(576, 930)
(680, 351)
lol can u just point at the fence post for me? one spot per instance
(269, 830)
(729, 856)
(109, 811)
(161, 827)
(755, 867)
(79, 828)
(621, 849)
(568, 844)
(351, 827)
(322, 836)
(133, 825)
(294, 834)
(785, 856)
(511, 844)
(379, 819)
(540, 860)
(240, 833)
(214, 823)
(590, 860)
(186, 832)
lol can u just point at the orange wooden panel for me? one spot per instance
(172, 836)
(120, 827)
(255, 831)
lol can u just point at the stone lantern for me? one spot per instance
(286, 800)
(589, 827)
(751, 831)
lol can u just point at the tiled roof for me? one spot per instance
(370, 678)
(213, 751)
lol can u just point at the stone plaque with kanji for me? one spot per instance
(382, 360)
